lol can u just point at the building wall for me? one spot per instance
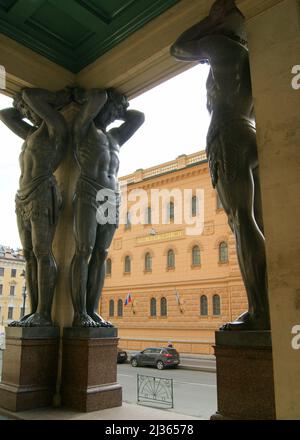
(190, 332)
(9, 261)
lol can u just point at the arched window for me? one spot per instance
(127, 264)
(120, 307)
(203, 305)
(216, 305)
(196, 257)
(108, 266)
(171, 259)
(194, 206)
(128, 221)
(148, 262)
(153, 307)
(223, 252)
(163, 307)
(171, 211)
(111, 307)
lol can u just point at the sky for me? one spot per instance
(176, 122)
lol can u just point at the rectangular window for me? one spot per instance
(1, 271)
(1, 289)
(12, 290)
(13, 273)
(10, 313)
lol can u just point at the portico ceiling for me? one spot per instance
(74, 33)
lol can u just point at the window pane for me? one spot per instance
(148, 216)
(111, 307)
(223, 252)
(120, 307)
(10, 313)
(13, 273)
(1, 289)
(163, 307)
(170, 213)
(148, 262)
(153, 307)
(203, 306)
(12, 290)
(196, 255)
(127, 264)
(194, 206)
(128, 221)
(108, 267)
(216, 305)
(1, 271)
(171, 258)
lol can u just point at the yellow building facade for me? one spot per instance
(12, 265)
(182, 285)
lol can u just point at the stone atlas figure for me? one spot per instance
(220, 40)
(38, 199)
(97, 154)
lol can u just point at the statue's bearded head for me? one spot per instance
(114, 109)
(20, 105)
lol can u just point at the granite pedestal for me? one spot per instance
(245, 382)
(89, 369)
(29, 367)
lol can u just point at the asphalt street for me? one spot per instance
(195, 392)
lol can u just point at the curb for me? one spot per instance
(189, 367)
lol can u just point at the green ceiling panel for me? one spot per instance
(7, 4)
(74, 33)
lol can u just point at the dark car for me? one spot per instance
(156, 357)
(122, 356)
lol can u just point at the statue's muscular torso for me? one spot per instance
(98, 158)
(39, 156)
(229, 84)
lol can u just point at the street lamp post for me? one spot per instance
(24, 294)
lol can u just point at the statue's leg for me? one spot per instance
(96, 276)
(30, 268)
(85, 226)
(257, 200)
(237, 196)
(42, 238)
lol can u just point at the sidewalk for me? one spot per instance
(127, 411)
(206, 363)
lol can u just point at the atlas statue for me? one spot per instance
(220, 40)
(97, 152)
(35, 117)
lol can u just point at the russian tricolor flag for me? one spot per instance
(128, 299)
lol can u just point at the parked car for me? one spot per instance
(122, 356)
(156, 357)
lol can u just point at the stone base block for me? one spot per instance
(29, 368)
(89, 369)
(245, 382)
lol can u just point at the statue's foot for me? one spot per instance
(245, 322)
(21, 322)
(84, 320)
(37, 320)
(100, 321)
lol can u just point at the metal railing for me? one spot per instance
(155, 390)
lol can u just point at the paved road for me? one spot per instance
(195, 392)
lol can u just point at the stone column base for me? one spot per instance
(89, 369)
(29, 368)
(245, 382)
